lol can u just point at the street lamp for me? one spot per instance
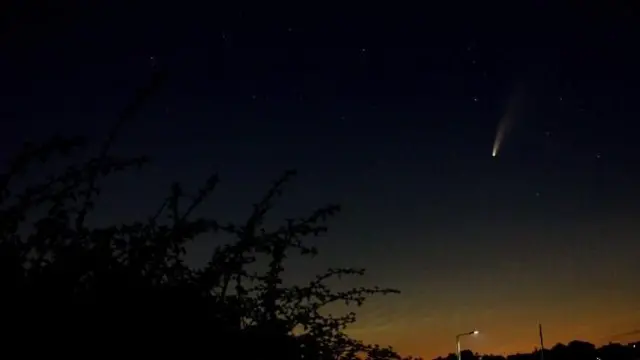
(474, 332)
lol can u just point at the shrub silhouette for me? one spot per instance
(576, 349)
(72, 289)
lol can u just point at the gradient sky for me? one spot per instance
(393, 114)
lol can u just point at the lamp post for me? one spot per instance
(474, 332)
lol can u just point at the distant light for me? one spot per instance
(476, 332)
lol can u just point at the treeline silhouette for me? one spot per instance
(574, 350)
(71, 289)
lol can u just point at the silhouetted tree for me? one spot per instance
(521, 356)
(616, 351)
(578, 350)
(125, 287)
(491, 357)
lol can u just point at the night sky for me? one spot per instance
(393, 114)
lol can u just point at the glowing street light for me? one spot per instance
(474, 332)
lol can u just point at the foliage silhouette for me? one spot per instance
(125, 287)
(574, 350)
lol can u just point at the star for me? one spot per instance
(475, 99)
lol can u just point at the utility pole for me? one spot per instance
(541, 342)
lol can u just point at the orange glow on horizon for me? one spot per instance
(504, 332)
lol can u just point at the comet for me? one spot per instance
(513, 110)
(503, 128)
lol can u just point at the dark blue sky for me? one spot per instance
(392, 113)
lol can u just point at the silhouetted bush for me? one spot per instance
(574, 350)
(75, 290)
